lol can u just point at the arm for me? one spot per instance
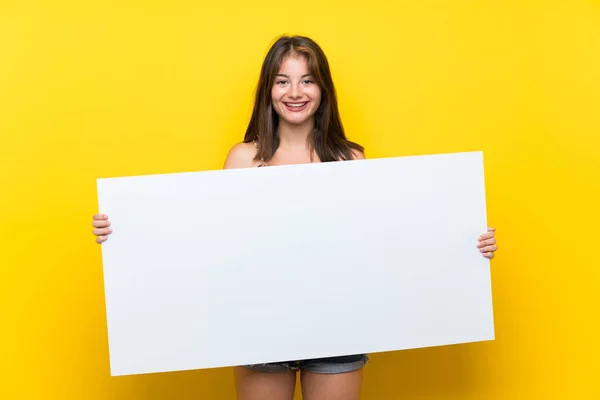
(358, 155)
(241, 156)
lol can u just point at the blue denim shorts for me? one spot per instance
(330, 365)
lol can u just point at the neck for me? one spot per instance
(294, 136)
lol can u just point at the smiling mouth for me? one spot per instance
(295, 107)
(295, 104)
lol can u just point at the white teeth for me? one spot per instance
(295, 104)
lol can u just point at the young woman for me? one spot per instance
(296, 120)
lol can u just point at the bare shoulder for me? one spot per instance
(358, 155)
(241, 156)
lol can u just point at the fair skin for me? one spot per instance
(295, 97)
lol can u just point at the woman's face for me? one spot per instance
(295, 95)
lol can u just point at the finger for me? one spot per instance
(488, 249)
(102, 232)
(99, 217)
(489, 255)
(485, 236)
(487, 242)
(101, 224)
(101, 239)
(491, 229)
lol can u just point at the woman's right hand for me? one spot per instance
(101, 227)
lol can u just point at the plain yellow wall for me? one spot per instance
(98, 89)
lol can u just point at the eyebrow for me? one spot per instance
(287, 76)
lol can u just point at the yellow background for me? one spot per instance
(112, 88)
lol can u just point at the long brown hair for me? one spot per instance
(328, 138)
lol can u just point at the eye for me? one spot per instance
(281, 82)
(308, 81)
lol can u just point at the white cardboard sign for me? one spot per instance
(233, 267)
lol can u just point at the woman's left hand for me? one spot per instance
(487, 243)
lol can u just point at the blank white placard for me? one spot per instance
(233, 267)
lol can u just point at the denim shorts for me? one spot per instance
(330, 365)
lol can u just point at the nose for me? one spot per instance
(295, 91)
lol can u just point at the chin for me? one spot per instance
(296, 121)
